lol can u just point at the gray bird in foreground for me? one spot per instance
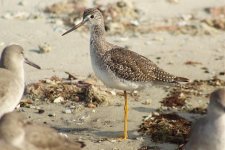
(118, 67)
(12, 77)
(208, 133)
(17, 133)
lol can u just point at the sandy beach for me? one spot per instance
(196, 52)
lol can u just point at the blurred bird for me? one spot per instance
(12, 77)
(18, 133)
(208, 133)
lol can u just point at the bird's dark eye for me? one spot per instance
(92, 16)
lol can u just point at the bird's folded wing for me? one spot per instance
(131, 66)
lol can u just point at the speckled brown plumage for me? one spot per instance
(131, 66)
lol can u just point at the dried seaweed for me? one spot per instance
(218, 23)
(215, 81)
(166, 128)
(177, 97)
(53, 88)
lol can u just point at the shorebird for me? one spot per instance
(12, 77)
(23, 135)
(118, 67)
(208, 132)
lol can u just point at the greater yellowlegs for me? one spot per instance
(208, 132)
(17, 132)
(12, 77)
(118, 67)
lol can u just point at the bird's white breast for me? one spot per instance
(109, 78)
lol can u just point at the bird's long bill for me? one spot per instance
(32, 64)
(75, 27)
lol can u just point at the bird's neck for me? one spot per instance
(98, 43)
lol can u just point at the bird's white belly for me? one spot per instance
(11, 100)
(219, 135)
(215, 135)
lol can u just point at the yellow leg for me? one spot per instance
(125, 116)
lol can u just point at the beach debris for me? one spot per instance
(59, 99)
(205, 69)
(44, 48)
(155, 113)
(222, 73)
(67, 111)
(71, 76)
(216, 11)
(167, 127)
(148, 117)
(217, 18)
(217, 23)
(140, 138)
(147, 102)
(192, 63)
(58, 90)
(91, 105)
(25, 102)
(91, 79)
(65, 7)
(113, 13)
(41, 111)
(52, 115)
(174, 99)
(113, 92)
(177, 97)
(71, 12)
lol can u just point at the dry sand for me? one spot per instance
(71, 53)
